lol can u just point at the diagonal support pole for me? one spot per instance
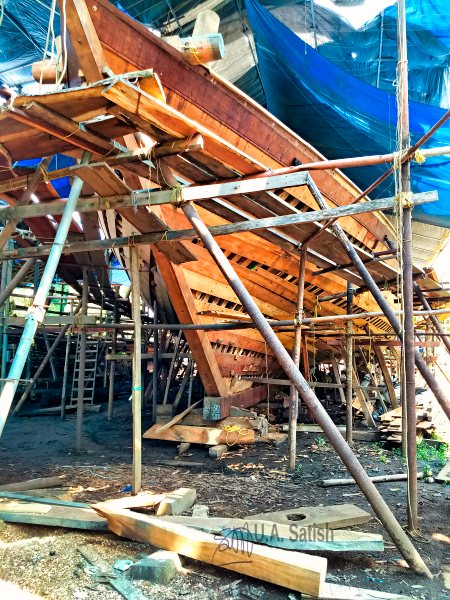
(36, 313)
(388, 312)
(346, 454)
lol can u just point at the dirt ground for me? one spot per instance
(46, 561)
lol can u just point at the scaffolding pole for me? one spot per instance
(346, 454)
(36, 313)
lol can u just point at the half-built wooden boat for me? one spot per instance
(238, 138)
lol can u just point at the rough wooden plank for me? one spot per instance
(377, 479)
(177, 418)
(334, 517)
(60, 516)
(201, 435)
(289, 537)
(46, 500)
(177, 502)
(293, 570)
(142, 500)
(33, 484)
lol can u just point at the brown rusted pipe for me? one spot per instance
(346, 454)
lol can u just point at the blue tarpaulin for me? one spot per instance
(343, 116)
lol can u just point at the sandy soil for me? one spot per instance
(46, 561)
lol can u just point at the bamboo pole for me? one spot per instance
(65, 376)
(349, 370)
(409, 383)
(293, 403)
(323, 419)
(36, 312)
(137, 372)
(155, 361)
(82, 365)
(112, 367)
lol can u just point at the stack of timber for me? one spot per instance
(426, 423)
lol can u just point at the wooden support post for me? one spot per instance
(172, 363)
(6, 269)
(112, 367)
(296, 350)
(346, 454)
(337, 378)
(82, 364)
(386, 375)
(137, 371)
(155, 363)
(409, 383)
(349, 368)
(65, 376)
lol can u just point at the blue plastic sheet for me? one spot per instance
(343, 116)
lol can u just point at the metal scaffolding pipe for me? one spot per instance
(349, 369)
(36, 313)
(323, 419)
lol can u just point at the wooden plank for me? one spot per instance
(46, 500)
(376, 479)
(199, 344)
(334, 591)
(215, 409)
(201, 435)
(177, 502)
(142, 500)
(333, 517)
(289, 537)
(60, 516)
(293, 570)
(359, 435)
(33, 484)
(177, 418)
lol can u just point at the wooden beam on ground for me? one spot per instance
(292, 570)
(336, 516)
(215, 409)
(289, 537)
(59, 516)
(183, 303)
(209, 436)
(33, 484)
(177, 418)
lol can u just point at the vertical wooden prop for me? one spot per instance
(82, 364)
(137, 371)
(349, 368)
(293, 404)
